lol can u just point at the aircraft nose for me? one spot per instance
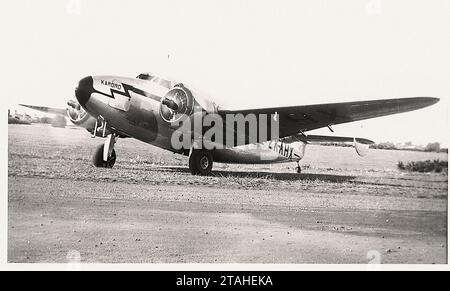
(84, 90)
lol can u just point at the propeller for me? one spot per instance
(170, 104)
(75, 112)
(176, 103)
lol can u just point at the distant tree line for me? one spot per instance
(13, 120)
(431, 147)
(57, 121)
(436, 166)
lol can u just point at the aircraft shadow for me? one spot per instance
(285, 176)
(273, 175)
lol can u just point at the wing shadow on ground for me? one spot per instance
(273, 175)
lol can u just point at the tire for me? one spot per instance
(98, 158)
(200, 162)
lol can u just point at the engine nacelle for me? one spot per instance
(362, 149)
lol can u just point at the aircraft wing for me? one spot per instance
(304, 118)
(51, 110)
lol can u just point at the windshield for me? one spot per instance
(162, 82)
(165, 83)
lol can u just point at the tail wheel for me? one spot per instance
(200, 162)
(298, 169)
(98, 158)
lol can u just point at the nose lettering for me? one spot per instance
(111, 84)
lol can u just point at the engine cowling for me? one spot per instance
(79, 116)
(178, 102)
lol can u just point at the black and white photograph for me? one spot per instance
(236, 135)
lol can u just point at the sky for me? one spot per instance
(244, 54)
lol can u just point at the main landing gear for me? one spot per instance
(105, 155)
(200, 162)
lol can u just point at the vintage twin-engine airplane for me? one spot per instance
(149, 108)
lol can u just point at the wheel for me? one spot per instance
(98, 158)
(200, 162)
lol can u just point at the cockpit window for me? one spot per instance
(165, 83)
(145, 77)
(162, 82)
(156, 80)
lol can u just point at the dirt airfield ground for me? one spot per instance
(149, 209)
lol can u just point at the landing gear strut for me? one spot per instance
(200, 162)
(105, 155)
(298, 169)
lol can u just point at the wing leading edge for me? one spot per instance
(309, 117)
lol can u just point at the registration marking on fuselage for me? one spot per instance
(282, 149)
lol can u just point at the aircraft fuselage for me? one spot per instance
(135, 108)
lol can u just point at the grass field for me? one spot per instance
(68, 152)
(349, 205)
